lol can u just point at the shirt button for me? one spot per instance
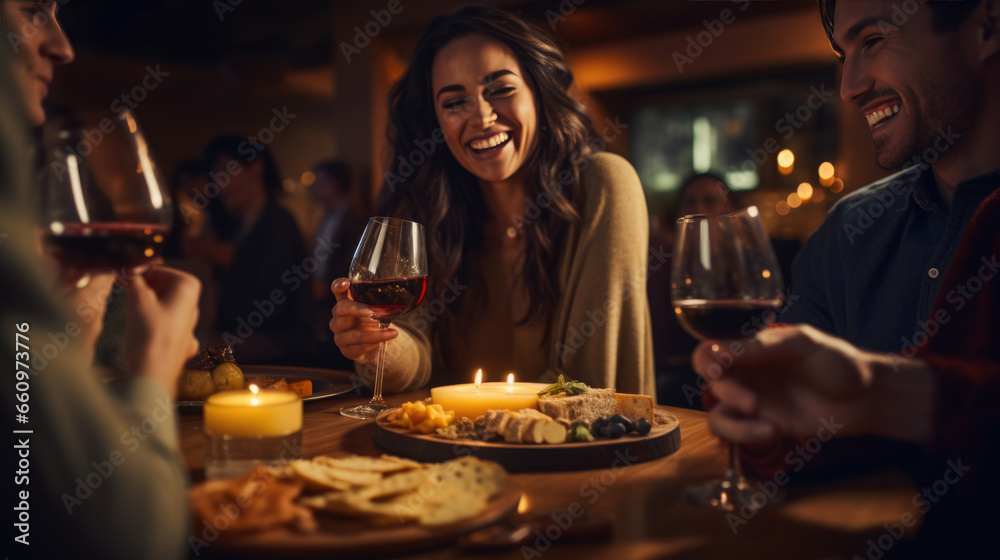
(933, 273)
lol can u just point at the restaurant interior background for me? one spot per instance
(677, 86)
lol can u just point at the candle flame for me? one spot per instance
(479, 378)
(522, 504)
(510, 383)
(254, 389)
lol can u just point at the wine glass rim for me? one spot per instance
(394, 222)
(691, 218)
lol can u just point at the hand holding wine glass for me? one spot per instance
(725, 284)
(389, 276)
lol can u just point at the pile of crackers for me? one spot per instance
(390, 490)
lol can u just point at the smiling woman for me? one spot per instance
(543, 239)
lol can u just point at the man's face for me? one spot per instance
(40, 44)
(908, 80)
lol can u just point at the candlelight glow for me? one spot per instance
(254, 389)
(510, 382)
(826, 171)
(522, 505)
(805, 191)
(479, 378)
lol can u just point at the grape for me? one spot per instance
(616, 430)
(642, 426)
(623, 421)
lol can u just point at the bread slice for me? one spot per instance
(634, 407)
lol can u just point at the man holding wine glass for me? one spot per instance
(898, 290)
(74, 423)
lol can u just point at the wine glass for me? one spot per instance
(103, 204)
(389, 275)
(725, 284)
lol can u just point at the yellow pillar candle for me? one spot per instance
(253, 414)
(471, 400)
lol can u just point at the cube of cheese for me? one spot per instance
(635, 407)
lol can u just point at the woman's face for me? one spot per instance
(485, 106)
(40, 45)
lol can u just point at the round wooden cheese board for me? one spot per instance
(662, 440)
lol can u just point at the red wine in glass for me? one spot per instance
(725, 318)
(389, 275)
(105, 245)
(390, 298)
(725, 283)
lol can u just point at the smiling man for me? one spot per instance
(33, 34)
(898, 292)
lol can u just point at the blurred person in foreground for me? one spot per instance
(105, 477)
(898, 291)
(265, 295)
(536, 238)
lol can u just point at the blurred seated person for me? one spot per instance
(559, 285)
(898, 315)
(265, 297)
(81, 428)
(339, 231)
(676, 382)
(189, 219)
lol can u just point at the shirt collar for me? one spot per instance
(925, 189)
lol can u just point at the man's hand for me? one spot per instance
(161, 314)
(786, 380)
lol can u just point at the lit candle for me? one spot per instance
(253, 414)
(472, 400)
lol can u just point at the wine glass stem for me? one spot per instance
(379, 370)
(735, 468)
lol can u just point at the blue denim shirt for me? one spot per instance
(871, 272)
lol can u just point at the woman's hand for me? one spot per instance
(161, 313)
(355, 332)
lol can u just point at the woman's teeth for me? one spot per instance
(491, 142)
(878, 116)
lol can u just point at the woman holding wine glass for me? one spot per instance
(536, 240)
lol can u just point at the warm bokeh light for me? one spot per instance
(782, 208)
(826, 171)
(149, 252)
(765, 273)
(308, 178)
(786, 161)
(805, 191)
(794, 200)
(837, 186)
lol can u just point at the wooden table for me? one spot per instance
(830, 519)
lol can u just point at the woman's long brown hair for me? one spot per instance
(425, 181)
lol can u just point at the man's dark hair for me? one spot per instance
(947, 16)
(339, 171)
